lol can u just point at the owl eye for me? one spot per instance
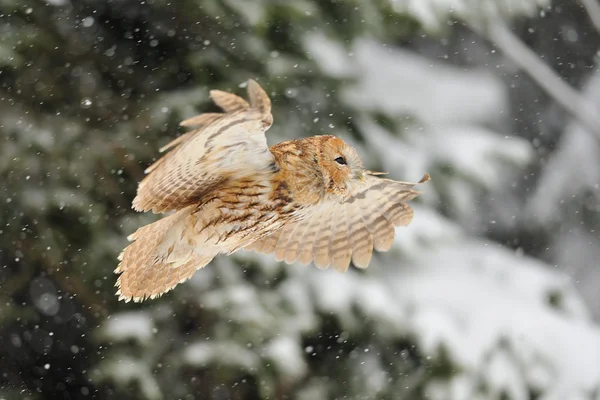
(340, 160)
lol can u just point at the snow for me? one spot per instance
(400, 82)
(205, 353)
(328, 53)
(132, 325)
(315, 390)
(427, 229)
(508, 338)
(484, 307)
(509, 314)
(443, 116)
(505, 325)
(572, 168)
(371, 376)
(252, 11)
(566, 198)
(299, 304)
(125, 370)
(44, 296)
(509, 325)
(433, 14)
(287, 357)
(474, 152)
(244, 306)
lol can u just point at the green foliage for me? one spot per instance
(90, 90)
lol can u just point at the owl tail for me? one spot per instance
(158, 259)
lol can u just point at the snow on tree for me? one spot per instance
(447, 314)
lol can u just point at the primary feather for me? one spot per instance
(223, 146)
(307, 200)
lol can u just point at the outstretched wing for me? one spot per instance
(223, 146)
(336, 233)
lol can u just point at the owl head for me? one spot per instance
(340, 165)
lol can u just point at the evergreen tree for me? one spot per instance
(90, 89)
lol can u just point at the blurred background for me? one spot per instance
(491, 293)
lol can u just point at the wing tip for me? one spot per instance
(341, 267)
(137, 205)
(361, 263)
(229, 102)
(425, 178)
(125, 294)
(252, 84)
(259, 99)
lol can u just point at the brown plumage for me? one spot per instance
(307, 200)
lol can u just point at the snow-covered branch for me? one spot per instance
(571, 100)
(593, 9)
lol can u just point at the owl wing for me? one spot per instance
(223, 146)
(335, 233)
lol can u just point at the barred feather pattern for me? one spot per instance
(222, 147)
(306, 200)
(168, 251)
(337, 233)
(147, 270)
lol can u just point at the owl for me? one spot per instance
(306, 200)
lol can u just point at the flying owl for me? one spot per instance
(306, 200)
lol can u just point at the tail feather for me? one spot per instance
(158, 259)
